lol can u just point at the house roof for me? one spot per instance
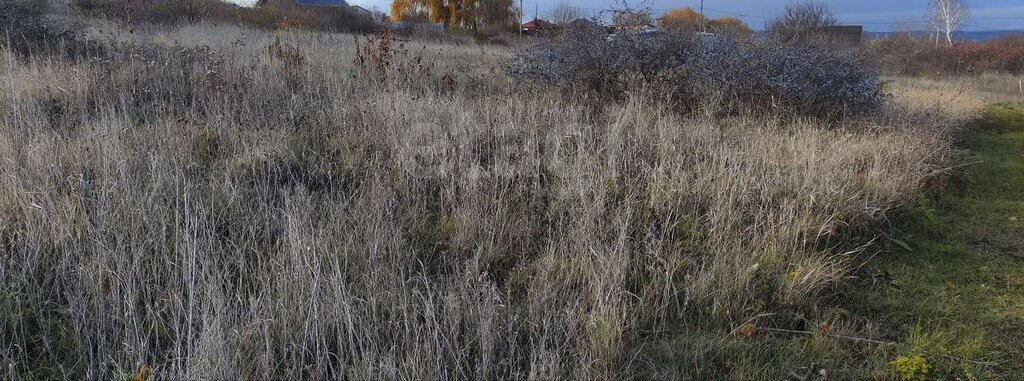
(539, 24)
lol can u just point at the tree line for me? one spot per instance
(471, 14)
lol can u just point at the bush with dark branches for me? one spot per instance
(800, 22)
(25, 27)
(716, 73)
(798, 80)
(586, 57)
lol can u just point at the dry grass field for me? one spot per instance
(213, 202)
(960, 97)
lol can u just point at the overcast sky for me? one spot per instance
(875, 15)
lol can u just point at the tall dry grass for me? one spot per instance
(200, 200)
(958, 98)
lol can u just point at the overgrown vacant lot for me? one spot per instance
(217, 202)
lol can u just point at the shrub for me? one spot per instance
(799, 21)
(328, 19)
(909, 55)
(24, 25)
(803, 80)
(325, 19)
(26, 29)
(911, 368)
(900, 53)
(726, 73)
(273, 18)
(1000, 55)
(161, 11)
(344, 19)
(586, 58)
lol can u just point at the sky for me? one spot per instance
(875, 15)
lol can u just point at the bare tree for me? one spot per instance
(947, 16)
(630, 15)
(565, 13)
(800, 20)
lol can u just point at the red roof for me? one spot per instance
(539, 24)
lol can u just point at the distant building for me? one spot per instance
(583, 24)
(841, 35)
(538, 26)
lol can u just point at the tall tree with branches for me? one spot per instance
(448, 12)
(682, 20)
(947, 16)
(565, 13)
(400, 9)
(800, 20)
(627, 14)
(501, 14)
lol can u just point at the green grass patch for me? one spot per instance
(958, 294)
(942, 299)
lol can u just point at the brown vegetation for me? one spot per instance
(801, 21)
(687, 20)
(330, 19)
(161, 11)
(909, 55)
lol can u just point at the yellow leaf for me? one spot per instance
(143, 374)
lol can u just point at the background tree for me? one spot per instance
(632, 17)
(408, 11)
(730, 26)
(799, 21)
(468, 13)
(565, 13)
(438, 11)
(448, 12)
(947, 16)
(497, 14)
(683, 20)
(627, 14)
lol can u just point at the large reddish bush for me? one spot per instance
(905, 54)
(1003, 55)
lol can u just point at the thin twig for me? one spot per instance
(852, 338)
(975, 362)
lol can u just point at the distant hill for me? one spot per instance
(966, 35)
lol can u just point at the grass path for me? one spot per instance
(954, 283)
